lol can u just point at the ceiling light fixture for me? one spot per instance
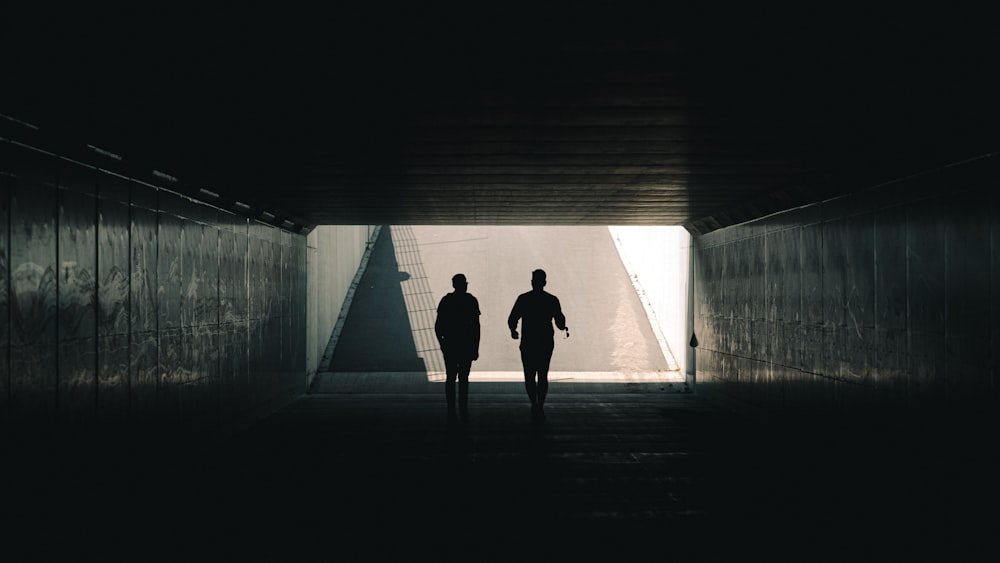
(104, 152)
(164, 176)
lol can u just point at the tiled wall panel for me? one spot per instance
(811, 262)
(144, 348)
(114, 299)
(994, 295)
(194, 289)
(860, 277)
(170, 298)
(77, 289)
(259, 282)
(144, 278)
(926, 267)
(890, 289)
(121, 301)
(170, 272)
(34, 294)
(711, 267)
(737, 279)
(4, 285)
(757, 309)
(833, 252)
(285, 301)
(271, 357)
(857, 357)
(967, 251)
(870, 300)
(890, 269)
(232, 276)
(294, 283)
(775, 249)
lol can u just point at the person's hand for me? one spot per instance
(475, 356)
(513, 334)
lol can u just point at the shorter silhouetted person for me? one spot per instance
(536, 310)
(457, 330)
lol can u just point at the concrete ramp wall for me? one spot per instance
(335, 254)
(657, 260)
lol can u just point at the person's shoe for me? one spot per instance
(534, 412)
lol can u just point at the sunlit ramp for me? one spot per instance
(387, 341)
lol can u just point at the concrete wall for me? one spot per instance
(658, 260)
(334, 256)
(886, 297)
(124, 302)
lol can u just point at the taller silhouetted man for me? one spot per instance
(536, 310)
(457, 330)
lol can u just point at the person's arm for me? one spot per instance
(438, 323)
(475, 331)
(558, 315)
(515, 315)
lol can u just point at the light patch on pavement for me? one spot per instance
(573, 376)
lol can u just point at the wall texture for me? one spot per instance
(124, 301)
(335, 253)
(886, 297)
(658, 260)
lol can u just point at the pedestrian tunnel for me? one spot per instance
(123, 300)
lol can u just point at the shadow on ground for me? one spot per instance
(377, 336)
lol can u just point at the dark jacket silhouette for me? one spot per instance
(536, 310)
(457, 327)
(457, 330)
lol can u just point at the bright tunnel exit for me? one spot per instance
(623, 291)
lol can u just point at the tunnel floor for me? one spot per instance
(627, 473)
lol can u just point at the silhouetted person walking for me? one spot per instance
(457, 330)
(536, 310)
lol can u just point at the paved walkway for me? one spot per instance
(626, 474)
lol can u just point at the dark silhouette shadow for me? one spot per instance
(536, 310)
(457, 330)
(377, 336)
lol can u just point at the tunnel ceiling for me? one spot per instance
(508, 114)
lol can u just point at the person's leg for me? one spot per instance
(544, 358)
(451, 373)
(463, 388)
(542, 388)
(529, 375)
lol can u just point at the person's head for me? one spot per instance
(538, 279)
(459, 282)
